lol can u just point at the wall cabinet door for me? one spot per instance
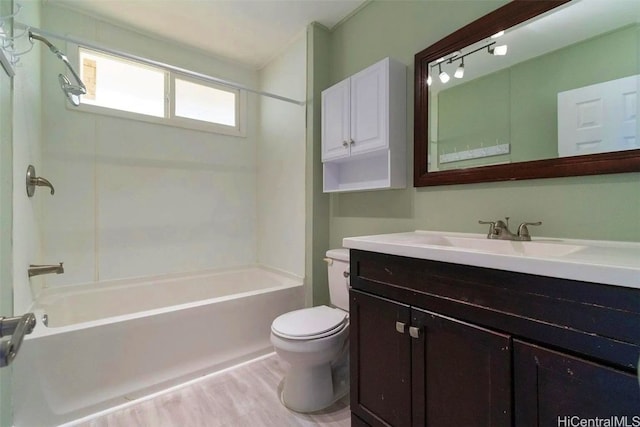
(380, 360)
(461, 373)
(369, 109)
(556, 389)
(336, 118)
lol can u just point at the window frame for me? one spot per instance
(169, 119)
(201, 124)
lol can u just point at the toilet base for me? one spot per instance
(315, 388)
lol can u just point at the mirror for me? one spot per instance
(555, 95)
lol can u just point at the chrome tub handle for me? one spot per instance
(17, 328)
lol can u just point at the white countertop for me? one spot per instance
(597, 261)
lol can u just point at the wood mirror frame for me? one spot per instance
(503, 18)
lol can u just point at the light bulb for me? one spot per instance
(444, 77)
(429, 80)
(499, 50)
(498, 34)
(459, 71)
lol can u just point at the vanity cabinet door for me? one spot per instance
(461, 373)
(380, 360)
(556, 389)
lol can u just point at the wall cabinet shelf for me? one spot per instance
(364, 130)
(437, 344)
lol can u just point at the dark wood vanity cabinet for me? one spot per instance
(437, 344)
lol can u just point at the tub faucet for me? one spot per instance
(36, 270)
(499, 230)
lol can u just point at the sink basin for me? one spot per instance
(504, 247)
(551, 248)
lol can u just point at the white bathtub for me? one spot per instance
(110, 343)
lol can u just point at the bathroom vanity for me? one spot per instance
(456, 330)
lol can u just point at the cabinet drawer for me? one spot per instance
(600, 321)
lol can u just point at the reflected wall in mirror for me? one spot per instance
(532, 90)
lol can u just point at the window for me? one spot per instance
(125, 88)
(209, 104)
(122, 85)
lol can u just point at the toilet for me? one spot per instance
(315, 343)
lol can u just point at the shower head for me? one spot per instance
(71, 91)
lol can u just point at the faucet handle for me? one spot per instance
(492, 227)
(33, 181)
(523, 230)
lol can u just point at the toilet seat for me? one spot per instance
(310, 323)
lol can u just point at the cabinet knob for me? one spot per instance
(351, 142)
(401, 327)
(414, 332)
(345, 144)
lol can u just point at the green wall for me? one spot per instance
(316, 203)
(596, 207)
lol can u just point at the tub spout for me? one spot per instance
(36, 270)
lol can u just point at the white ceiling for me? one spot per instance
(251, 32)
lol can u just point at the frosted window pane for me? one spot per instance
(200, 102)
(122, 85)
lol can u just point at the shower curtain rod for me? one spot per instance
(173, 68)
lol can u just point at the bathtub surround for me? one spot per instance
(20, 142)
(137, 199)
(6, 215)
(280, 186)
(27, 147)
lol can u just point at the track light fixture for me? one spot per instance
(444, 77)
(460, 70)
(498, 50)
(492, 48)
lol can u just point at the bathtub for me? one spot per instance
(107, 344)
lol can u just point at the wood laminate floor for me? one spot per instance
(244, 396)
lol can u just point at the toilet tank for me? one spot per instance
(338, 265)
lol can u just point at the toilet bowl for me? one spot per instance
(315, 343)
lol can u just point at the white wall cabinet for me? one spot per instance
(364, 130)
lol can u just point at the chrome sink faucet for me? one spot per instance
(499, 230)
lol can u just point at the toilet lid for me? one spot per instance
(309, 322)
